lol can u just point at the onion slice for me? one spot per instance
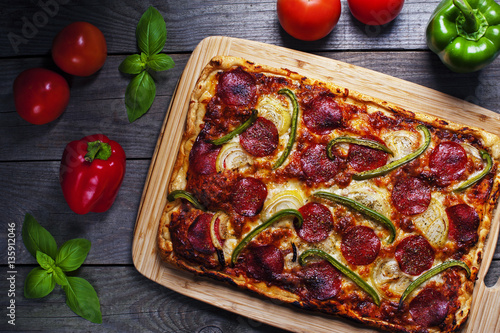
(388, 278)
(231, 156)
(215, 232)
(433, 223)
(276, 111)
(287, 199)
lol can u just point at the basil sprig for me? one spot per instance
(151, 34)
(81, 297)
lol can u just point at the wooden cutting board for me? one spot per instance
(485, 313)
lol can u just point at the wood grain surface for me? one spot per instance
(30, 155)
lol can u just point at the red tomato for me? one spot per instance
(308, 19)
(375, 12)
(79, 49)
(40, 95)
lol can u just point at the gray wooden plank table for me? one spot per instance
(30, 155)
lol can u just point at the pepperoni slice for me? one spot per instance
(322, 115)
(202, 156)
(248, 196)
(360, 245)
(322, 280)
(317, 166)
(236, 87)
(447, 162)
(264, 262)
(199, 234)
(411, 196)
(260, 139)
(464, 222)
(414, 255)
(429, 307)
(318, 222)
(362, 158)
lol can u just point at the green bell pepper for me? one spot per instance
(465, 34)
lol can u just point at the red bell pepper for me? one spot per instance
(91, 173)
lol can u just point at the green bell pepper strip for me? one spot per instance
(397, 163)
(358, 141)
(293, 127)
(238, 130)
(471, 181)
(251, 235)
(343, 269)
(172, 196)
(360, 208)
(465, 34)
(429, 274)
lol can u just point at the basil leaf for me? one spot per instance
(82, 298)
(39, 283)
(132, 65)
(160, 62)
(59, 277)
(37, 238)
(139, 96)
(45, 261)
(72, 254)
(151, 32)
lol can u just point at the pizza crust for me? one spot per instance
(205, 89)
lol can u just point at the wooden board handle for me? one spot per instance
(485, 310)
(485, 315)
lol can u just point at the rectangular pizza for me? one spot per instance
(330, 200)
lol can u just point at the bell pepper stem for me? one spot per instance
(471, 24)
(97, 149)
